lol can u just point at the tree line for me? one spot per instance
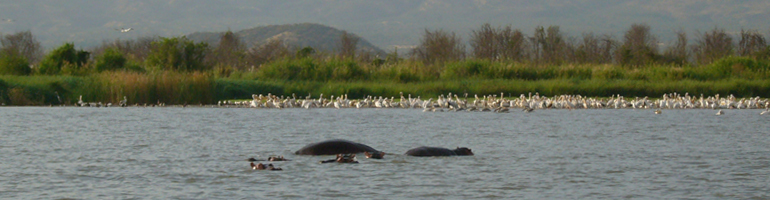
(21, 53)
(549, 46)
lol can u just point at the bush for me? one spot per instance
(743, 67)
(13, 64)
(178, 54)
(346, 70)
(66, 55)
(608, 73)
(112, 59)
(468, 69)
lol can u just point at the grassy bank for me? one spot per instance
(203, 89)
(411, 71)
(110, 87)
(742, 77)
(600, 88)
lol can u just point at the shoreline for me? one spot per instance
(451, 102)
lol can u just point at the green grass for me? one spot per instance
(174, 88)
(743, 77)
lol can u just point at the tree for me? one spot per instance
(498, 43)
(608, 49)
(537, 40)
(639, 47)
(513, 44)
(178, 54)
(677, 53)
(751, 43)
(484, 42)
(136, 50)
(348, 43)
(270, 51)
(589, 50)
(305, 52)
(111, 59)
(22, 44)
(13, 64)
(712, 46)
(439, 46)
(548, 45)
(64, 57)
(230, 52)
(554, 45)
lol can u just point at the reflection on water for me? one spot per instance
(200, 153)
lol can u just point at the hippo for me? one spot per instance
(343, 158)
(261, 166)
(271, 167)
(278, 158)
(333, 147)
(439, 151)
(375, 155)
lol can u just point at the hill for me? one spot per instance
(317, 36)
(386, 24)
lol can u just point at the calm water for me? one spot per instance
(199, 153)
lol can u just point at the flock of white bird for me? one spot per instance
(81, 103)
(495, 103)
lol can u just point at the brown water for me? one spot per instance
(199, 153)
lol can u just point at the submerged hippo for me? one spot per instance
(375, 155)
(333, 147)
(279, 158)
(439, 151)
(261, 166)
(343, 158)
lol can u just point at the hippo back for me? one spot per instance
(430, 151)
(333, 147)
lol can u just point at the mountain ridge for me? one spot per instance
(299, 35)
(383, 23)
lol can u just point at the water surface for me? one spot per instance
(199, 153)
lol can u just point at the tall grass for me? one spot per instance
(308, 76)
(37, 90)
(195, 88)
(428, 89)
(161, 87)
(312, 69)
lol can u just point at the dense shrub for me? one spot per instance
(112, 59)
(63, 57)
(178, 54)
(13, 64)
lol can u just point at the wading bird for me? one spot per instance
(124, 30)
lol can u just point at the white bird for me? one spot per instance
(766, 112)
(80, 101)
(720, 112)
(124, 102)
(658, 111)
(7, 20)
(124, 30)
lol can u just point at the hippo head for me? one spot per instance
(257, 166)
(375, 155)
(346, 158)
(463, 151)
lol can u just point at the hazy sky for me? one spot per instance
(384, 23)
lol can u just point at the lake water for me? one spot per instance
(200, 153)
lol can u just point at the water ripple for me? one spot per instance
(199, 153)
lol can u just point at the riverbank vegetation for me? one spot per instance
(501, 59)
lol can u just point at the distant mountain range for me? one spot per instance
(317, 36)
(386, 24)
